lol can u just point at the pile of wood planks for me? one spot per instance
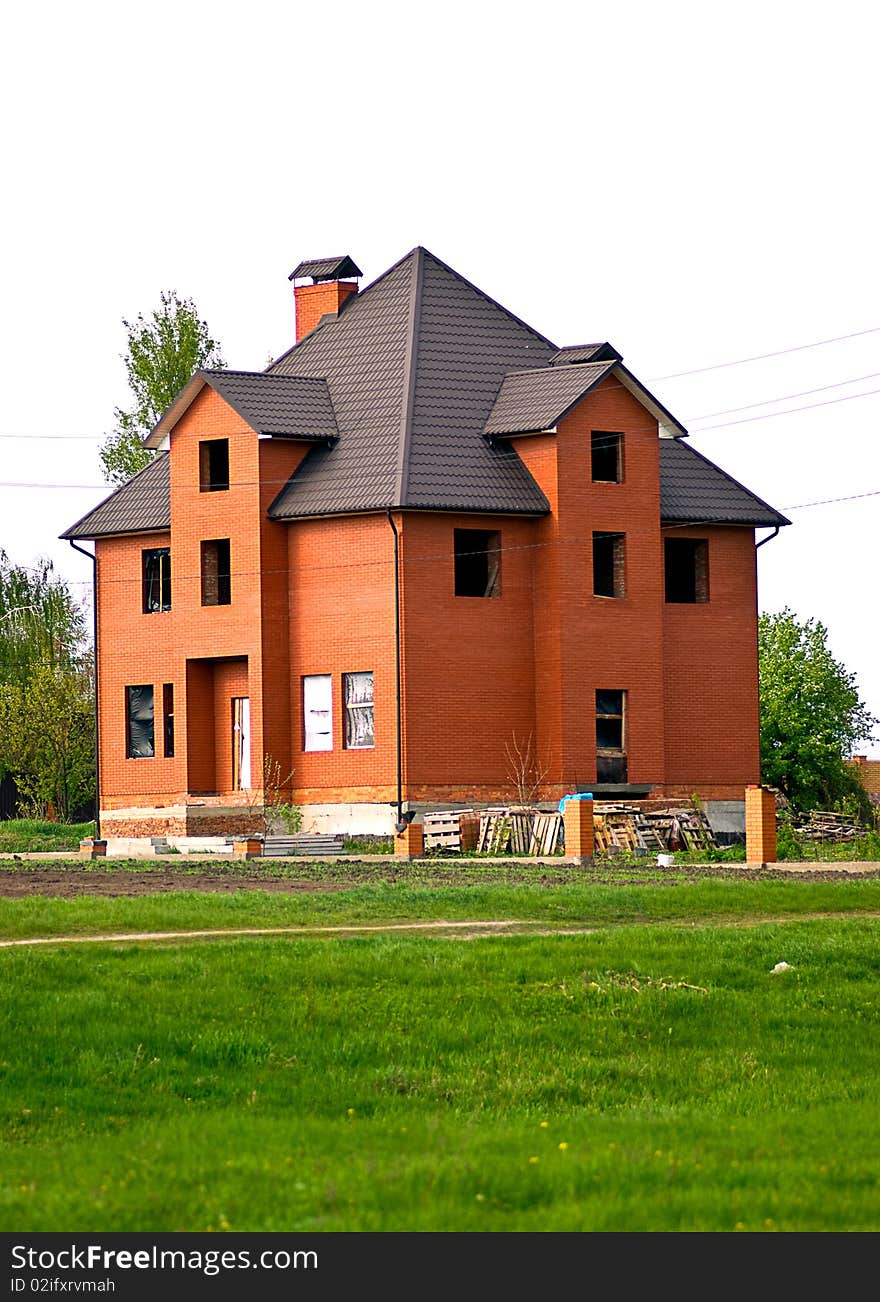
(626, 826)
(827, 828)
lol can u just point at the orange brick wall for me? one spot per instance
(468, 661)
(583, 642)
(342, 621)
(711, 673)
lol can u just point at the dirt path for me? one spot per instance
(467, 928)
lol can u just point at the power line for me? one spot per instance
(760, 357)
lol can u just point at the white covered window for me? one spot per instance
(357, 694)
(317, 691)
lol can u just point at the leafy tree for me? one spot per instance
(39, 620)
(46, 690)
(47, 726)
(164, 350)
(811, 715)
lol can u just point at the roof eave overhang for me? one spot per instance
(670, 428)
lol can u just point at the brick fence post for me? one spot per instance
(760, 826)
(410, 844)
(577, 817)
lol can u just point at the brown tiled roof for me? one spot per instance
(411, 377)
(693, 489)
(143, 505)
(534, 400)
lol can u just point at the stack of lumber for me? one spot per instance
(519, 830)
(826, 827)
(626, 825)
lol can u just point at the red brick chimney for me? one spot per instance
(333, 281)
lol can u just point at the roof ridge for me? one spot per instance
(412, 343)
(488, 298)
(268, 375)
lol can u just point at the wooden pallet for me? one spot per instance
(453, 830)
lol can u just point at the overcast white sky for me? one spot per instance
(696, 183)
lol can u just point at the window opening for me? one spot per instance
(216, 577)
(168, 719)
(156, 573)
(317, 697)
(686, 566)
(606, 456)
(477, 562)
(139, 734)
(608, 565)
(214, 465)
(611, 763)
(357, 695)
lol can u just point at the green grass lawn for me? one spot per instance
(640, 1077)
(25, 835)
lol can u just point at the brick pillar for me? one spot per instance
(92, 848)
(760, 826)
(410, 844)
(578, 819)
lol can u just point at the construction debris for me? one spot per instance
(826, 827)
(620, 827)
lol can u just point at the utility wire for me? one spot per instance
(760, 357)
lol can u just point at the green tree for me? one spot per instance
(47, 727)
(39, 620)
(811, 715)
(46, 690)
(163, 352)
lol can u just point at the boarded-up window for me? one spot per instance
(213, 465)
(477, 562)
(686, 564)
(317, 699)
(611, 736)
(606, 457)
(156, 575)
(608, 565)
(357, 695)
(216, 577)
(168, 719)
(139, 730)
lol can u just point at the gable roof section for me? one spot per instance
(413, 366)
(281, 406)
(535, 400)
(694, 490)
(143, 505)
(293, 407)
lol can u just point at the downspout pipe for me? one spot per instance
(769, 538)
(93, 558)
(402, 818)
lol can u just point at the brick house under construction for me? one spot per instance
(425, 538)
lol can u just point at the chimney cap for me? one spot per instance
(326, 269)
